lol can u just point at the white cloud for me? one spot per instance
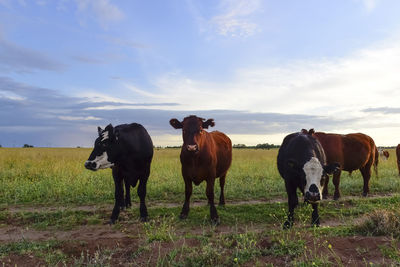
(337, 88)
(235, 18)
(103, 11)
(78, 118)
(369, 4)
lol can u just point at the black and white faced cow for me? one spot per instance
(302, 164)
(128, 150)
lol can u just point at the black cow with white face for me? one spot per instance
(128, 150)
(302, 164)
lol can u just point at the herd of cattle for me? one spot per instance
(305, 159)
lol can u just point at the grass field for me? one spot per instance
(52, 212)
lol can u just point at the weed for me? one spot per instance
(160, 229)
(380, 222)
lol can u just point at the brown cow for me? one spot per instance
(398, 157)
(384, 154)
(204, 157)
(352, 151)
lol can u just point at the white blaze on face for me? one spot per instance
(313, 171)
(102, 161)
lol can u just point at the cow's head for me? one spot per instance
(192, 131)
(102, 156)
(315, 174)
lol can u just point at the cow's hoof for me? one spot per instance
(121, 208)
(144, 219)
(111, 222)
(128, 205)
(221, 204)
(183, 216)
(315, 225)
(287, 225)
(365, 194)
(324, 196)
(215, 221)
(336, 197)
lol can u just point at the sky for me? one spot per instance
(261, 69)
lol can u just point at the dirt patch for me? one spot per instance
(358, 250)
(21, 260)
(84, 233)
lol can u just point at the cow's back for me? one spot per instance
(351, 151)
(223, 150)
(333, 147)
(136, 140)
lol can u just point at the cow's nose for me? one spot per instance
(312, 194)
(192, 147)
(90, 165)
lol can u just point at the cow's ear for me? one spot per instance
(311, 131)
(209, 122)
(110, 129)
(331, 168)
(99, 130)
(175, 123)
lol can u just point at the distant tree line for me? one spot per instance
(258, 146)
(26, 146)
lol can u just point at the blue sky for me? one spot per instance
(261, 69)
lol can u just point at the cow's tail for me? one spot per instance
(376, 161)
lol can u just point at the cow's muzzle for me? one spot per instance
(192, 148)
(312, 195)
(91, 165)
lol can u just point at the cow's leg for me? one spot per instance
(128, 202)
(222, 185)
(119, 195)
(210, 196)
(293, 201)
(325, 190)
(141, 191)
(398, 165)
(188, 193)
(366, 174)
(315, 216)
(336, 182)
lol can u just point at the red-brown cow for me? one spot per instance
(352, 151)
(398, 157)
(204, 157)
(384, 154)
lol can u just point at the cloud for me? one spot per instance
(235, 18)
(382, 110)
(35, 115)
(20, 59)
(102, 11)
(369, 4)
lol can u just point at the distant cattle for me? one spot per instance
(355, 151)
(302, 165)
(128, 150)
(383, 154)
(398, 157)
(204, 157)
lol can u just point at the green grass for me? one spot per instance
(57, 175)
(251, 232)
